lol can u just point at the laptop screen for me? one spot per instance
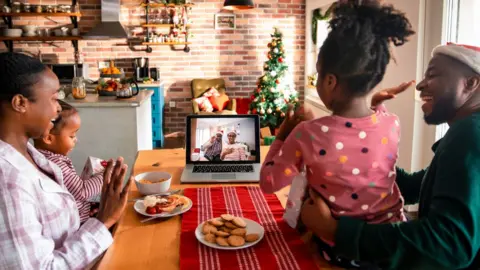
(223, 139)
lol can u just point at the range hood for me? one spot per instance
(110, 26)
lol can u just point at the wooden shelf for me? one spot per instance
(158, 5)
(43, 14)
(165, 43)
(41, 38)
(161, 25)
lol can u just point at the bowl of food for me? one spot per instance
(153, 182)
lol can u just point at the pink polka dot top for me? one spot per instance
(350, 162)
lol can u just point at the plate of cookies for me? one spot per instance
(229, 232)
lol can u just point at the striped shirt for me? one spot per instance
(39, 222)
(81, 189)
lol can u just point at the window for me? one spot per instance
(461, 25)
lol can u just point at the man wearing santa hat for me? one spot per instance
(213, 147)
(447, 232)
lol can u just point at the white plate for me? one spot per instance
(252, 227)
(140, 208)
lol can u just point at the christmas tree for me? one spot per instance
(275, 88)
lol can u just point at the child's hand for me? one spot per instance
(292, 119)
(390, 93)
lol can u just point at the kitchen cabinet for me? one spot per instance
(157, 107)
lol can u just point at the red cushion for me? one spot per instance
(219, 103)
(243, 105)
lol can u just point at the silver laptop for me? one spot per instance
(222, 148)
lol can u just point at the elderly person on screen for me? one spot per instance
(213, 147)
(233, 151)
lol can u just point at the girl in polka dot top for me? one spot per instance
(349, 156)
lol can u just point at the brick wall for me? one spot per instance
(236, 55)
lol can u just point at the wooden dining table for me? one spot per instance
(156, 244)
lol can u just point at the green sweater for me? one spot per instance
(447, 233)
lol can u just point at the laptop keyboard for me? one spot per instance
(223, 169)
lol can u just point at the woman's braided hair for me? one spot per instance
(356, 50)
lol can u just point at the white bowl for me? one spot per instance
(158, 187)
(12, 32)
(29, 28)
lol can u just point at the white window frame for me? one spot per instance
(449, 34)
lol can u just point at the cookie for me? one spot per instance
(235, 240)
(216, 222)
(207, 228)
(230, 225)
(222, 242)
(210, 238)
(252, 237)
(221, 234)
(239, 222)
(227, 217)
(225, 229)
(239, 232)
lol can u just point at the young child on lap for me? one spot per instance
(349, 156)
(56, 145)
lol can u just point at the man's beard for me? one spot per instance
(443, 110)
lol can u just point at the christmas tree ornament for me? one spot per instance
(272, 89)
(269, 111)
(296, 99)
(262, 111)
(264, 78)
(278, 109)
(252, 97)
(269, 45)
(277, 81)
(282, 114)
(259, 90)
(274, 44)
(280, 60)
(273, 73)
(254, 111)
(269, 56)
(275, 50)
(265, 67)
(263, 99)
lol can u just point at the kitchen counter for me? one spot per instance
(112, 127)
(94, 100)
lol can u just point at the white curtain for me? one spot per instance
(202, 136)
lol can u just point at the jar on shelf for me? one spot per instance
(79, 90)
(38, 9)
(27, 7)
(16, 7)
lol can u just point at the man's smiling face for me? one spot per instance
(442, 89)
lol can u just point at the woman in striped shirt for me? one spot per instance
(56, 145)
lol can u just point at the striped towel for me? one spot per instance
(281, 247)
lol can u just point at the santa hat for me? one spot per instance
(219, 132)
(467, 54)
(232, 131)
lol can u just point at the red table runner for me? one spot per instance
(281, 247)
